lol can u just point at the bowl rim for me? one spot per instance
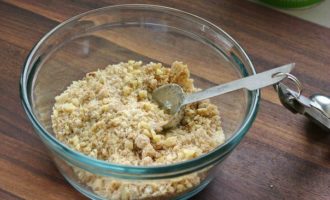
(193, 164)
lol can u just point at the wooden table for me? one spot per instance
(283, 156)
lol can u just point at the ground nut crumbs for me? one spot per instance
(116, 189)
(109, 115)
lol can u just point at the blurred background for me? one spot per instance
(316, 11)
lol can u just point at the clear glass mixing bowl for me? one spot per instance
(114, 34)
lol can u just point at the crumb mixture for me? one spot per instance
(109, 115)
(118, 189)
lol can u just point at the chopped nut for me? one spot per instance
(148, 189)
(131, 62)
(147, 106)
(148, 150)
(180, 187)
(103, 93)
(55, 114)
(147, 160)
(159, 72)
(115, 122)
(137, 71)
(189, 153)
(129, 144)
(144, 125)
(110, 115)
(105, 108)
(202, 111)
(93, 153)
(156, 138)
(124, 194)
(147, 133)
(141, 141)
(142, 94)
(75, 140)
(91, 74)
(75, 102)
(68, 107)
(134, 83)
(170, 141)
(127, 90)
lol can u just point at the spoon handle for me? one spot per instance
(253, 82)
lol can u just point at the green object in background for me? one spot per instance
(291, 3)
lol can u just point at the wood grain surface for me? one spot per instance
(283, 156)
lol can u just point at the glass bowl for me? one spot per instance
(120, 33)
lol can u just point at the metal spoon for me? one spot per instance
(172, 98)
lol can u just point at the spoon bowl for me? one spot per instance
(172, 98)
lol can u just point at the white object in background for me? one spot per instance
(318, 14)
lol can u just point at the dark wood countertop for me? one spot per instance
(283, 156)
